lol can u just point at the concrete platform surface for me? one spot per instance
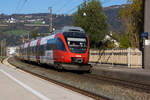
(138, 75)
(19, 85)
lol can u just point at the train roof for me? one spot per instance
(44, 39)
(72, 29)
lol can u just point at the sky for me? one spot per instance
(42, 6)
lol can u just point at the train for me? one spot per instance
(67, 49)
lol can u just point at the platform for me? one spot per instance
(19, 85)
(137, 75)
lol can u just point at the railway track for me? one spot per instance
(125, 85)
(84, 92)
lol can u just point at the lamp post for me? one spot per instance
(84, 14)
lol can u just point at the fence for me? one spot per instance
(130, 57)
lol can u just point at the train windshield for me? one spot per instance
(76, 41)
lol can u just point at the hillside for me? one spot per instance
(113, 20)
(15, 30)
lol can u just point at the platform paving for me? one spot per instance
(19, 85)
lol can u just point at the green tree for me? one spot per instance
(133, 16)
(90, 16)
(34, 34)
(124, 42)
(109, 44)
(115, 35)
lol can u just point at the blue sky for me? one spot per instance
(41, 6)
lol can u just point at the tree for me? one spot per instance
(34, 34)
(133, 16)
(124, 42)
(109, 44)
(90, 16)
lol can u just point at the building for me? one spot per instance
(11, 50)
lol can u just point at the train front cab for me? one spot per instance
(73, 51)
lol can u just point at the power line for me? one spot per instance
(18, 4)
(71, 10)
(106, 1)
(52, 3)
(64, 6)
(25, 1)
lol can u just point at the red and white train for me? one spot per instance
(68, 49)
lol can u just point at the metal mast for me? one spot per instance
(50, 23)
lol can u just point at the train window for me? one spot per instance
(51, 44)
(74, 34)
(38, 50)
(60, 45)
(77, 45)
(76, 42)
(48, 47)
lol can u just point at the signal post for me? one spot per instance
(147, 30)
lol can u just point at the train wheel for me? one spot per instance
(38, 62)
(89, 71)
(59, 68)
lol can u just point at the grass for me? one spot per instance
(1, 58)
(17, 32)
(37, 22)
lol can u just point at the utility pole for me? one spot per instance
(2, 48)
(50, 20)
